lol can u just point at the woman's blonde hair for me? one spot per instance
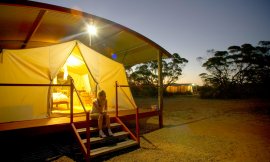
(101, 93)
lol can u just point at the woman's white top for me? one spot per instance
(98, 107)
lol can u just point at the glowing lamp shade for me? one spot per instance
(91, 29)
(73, 61)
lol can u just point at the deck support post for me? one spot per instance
(137, 126)
(160, 89)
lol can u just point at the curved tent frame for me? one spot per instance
(37, 24)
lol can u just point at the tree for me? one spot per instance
(219, 68)
(147, 73)
(235, 70)
(251, 63)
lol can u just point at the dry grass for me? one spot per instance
(207, 130)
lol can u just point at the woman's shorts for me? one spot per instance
(96, 115)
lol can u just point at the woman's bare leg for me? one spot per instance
(108, 123)
(100, 122)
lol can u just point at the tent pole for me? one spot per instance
(49, 101)
(160, 89)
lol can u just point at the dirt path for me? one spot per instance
(207, 130)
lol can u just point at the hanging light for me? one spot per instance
(74, 61)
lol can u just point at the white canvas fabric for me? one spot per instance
(41, 65)
(106, 71)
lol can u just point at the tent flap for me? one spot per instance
(106, 72)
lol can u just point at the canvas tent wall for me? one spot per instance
(40, 66)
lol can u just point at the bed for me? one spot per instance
(60, 98)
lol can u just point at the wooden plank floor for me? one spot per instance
(66, 119)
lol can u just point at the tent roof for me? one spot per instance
(26, 24)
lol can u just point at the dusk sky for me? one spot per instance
(186, 27)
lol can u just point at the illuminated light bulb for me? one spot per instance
(91, 29)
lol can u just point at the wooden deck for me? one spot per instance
(65, 120)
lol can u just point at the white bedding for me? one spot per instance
(58, 97)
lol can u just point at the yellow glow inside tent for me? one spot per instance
(55, 80)
(65, 72)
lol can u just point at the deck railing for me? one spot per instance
(85, 149)
(137, 137)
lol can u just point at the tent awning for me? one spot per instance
(26, 24)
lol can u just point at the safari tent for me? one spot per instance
(51, 67)
(33, 26)
(57, 64)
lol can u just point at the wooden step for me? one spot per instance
(94, 140)
(109, 149)
(95, 129)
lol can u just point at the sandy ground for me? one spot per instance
(205, 130)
